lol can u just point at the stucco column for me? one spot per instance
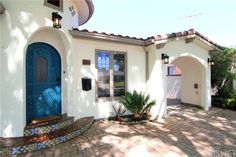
(157, 84)
(0, 75)
(208, 87)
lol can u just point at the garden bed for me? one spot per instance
(129, 119)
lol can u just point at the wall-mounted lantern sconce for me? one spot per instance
(56, 19)
(165, 58)
(210, 61)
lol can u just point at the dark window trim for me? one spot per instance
(112, 97)
(168, 74)
(41, 76)
(60, 8)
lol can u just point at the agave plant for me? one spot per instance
(137, 103)
(118, 112)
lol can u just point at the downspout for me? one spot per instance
(146, 64)
(2, 9)
(144, 45)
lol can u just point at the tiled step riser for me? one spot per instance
(48, 129)
(173, 101)
(44, 144)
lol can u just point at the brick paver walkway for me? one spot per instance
(188, 131)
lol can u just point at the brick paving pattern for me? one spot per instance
(187, 131)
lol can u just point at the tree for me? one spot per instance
(223, 72)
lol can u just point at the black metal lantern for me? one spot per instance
(210, 61)
(165, 58)
(56, 19)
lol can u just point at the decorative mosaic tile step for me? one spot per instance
(51, 127)
(11, 146)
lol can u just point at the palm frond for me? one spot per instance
(137, 103)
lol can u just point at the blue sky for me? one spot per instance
(215, 19)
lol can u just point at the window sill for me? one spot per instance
(109, 99)
(174, 75)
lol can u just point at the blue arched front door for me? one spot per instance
(43, 81)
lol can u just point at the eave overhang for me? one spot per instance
(159, 41)
(105, 37)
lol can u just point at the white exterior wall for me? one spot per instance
(174, 85)
(0, 74)
(234, 85)
(19, 22)
(156, 85)
(85, 101)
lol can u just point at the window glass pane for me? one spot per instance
(103, 61)
(174, 70)
(103, 64)
(54, 2)
(119, 74)
(41, 69)
(103, 83)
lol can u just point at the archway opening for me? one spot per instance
(185, 82)
(62, 44)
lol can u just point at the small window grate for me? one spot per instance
(54, 2)
(42, 69)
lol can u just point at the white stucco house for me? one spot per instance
(43, 67)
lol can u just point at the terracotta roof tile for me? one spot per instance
(185, 33)
(111, 34)
(157, 37)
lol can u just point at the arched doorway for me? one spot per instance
(173, 84)
(191, 85)
(43, 81)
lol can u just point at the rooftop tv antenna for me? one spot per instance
(190, 18)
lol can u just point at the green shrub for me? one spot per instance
(223, 72)
(137, 103)
(229, 102)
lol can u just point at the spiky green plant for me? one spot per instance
(118, 112)
(137, 103)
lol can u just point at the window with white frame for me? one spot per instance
(111, 74)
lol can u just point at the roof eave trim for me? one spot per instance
(209, 43)
(148, 42)
(97, 36)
